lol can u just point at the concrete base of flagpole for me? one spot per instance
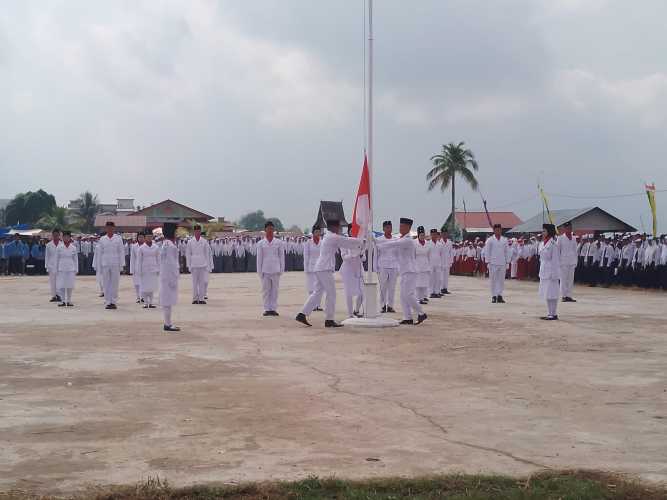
(372, 318)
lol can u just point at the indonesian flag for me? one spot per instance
(362, 205)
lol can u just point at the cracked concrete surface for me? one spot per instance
(95, 396)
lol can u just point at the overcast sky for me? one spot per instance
(231, 106)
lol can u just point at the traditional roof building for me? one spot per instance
(330, 210)
(584, 220)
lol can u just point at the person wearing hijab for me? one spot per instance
(549, 271)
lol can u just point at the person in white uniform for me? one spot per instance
(387, 266)
(67, 263)
(169, 274)
(436, 265)
(311, 252)
(270, 267)
(567, 248)
(351, 270)
(134, 254)
(111, 260)
(447, 260)
(423, 251)
(51, 265)
(198, 261)
(324, 274)
(148, 268)
(550, 271)
(497, 254)
(406, 253)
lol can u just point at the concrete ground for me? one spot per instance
(95, 396)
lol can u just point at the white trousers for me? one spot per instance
(110, 277)
(325, 285)
(436, 280)
(409, 302)
(270, 286)
(52, 283)
(199, 281)
(166, 314)
(148, 298)
(387, 278)
(566, 280)
(311, 280)
(445, 277)
(65, 295)
(497, 279)
(514, 268)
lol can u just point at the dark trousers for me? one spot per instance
(15, 265)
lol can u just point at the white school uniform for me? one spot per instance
(50, 262)
(387, 266)
(497, 255)
(110, 260)
(567, 249)
(270, 267)
(423, 256)
(550, 270)
(148, 268)
(199, 259)
(406, 254)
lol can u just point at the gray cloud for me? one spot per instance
(231, 106)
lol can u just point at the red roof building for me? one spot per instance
(478, 222)
(171, 211)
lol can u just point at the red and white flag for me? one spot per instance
(362, 205)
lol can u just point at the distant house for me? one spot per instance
(123, 223)
(123, 206)
(171, 211)
(584, 220)
(477, 223)
(330, 210)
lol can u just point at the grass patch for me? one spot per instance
(562, 485)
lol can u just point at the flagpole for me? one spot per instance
(369, 233)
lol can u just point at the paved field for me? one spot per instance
(88, 395)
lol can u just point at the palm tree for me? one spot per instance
(56, 219)
(87, 210)
(454, 159)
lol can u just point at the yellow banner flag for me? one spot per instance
(546, 206)
(650, 193)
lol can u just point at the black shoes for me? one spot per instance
(110, 306)
(390, 309)
(69, 304)
(318, 309)
(444, 291)
(62, 304)
(203, 302)
(301, 318)
(151, 306)
(171, 328)
(436, 296)
(195, 302)
(423, 302)
(139, 301)
(568, 299)
(549, 318)
(421, 318)
(356, 314)
(270, 313)
(407, 322)
(54, 299)
(494, 300)
(500, 299)
(329, 323)
(101, 295)
(384, 309)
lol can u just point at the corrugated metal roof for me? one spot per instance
(560, 217)
(470, 220)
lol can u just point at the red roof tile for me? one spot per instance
(479, 220)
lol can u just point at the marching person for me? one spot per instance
(423, 261)
(134, 255)
(407, 264)
(311, 252)
(198, 259)
(436, 264)
(569, 258)
(67, 264)
(270, 267)
(550, 271)
(351, 270)
(169, 274)
(497, 254)
(148, 269)
(324, 274)
(50, 261)
(387, 266)
(111, 260)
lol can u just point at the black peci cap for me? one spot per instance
(434, 231)
(421, 230)
(405, 220)
(386, 223)
(169, 229)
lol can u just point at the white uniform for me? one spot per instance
(497, 255)
(311, 252)
(148, 268)
(447, 261)
(199, 259)
(436, 264)
(67, 263)
(550, 270)
(351, 270)
(136, 277)
(324, 269)
(567, 249)
(387, 266)
(110, 259)
(169, 273)
(270, 266)
(406, 254)
(51, 265)
(423, 256)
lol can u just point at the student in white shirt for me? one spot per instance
(270, 267)
(67, 263)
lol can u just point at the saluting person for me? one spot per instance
(351, 270)
(270, 267)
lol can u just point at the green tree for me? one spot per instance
(88, 208)
(276, 224)
(453, 159)
(27, 208)
(253, 221)
(57, 218)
